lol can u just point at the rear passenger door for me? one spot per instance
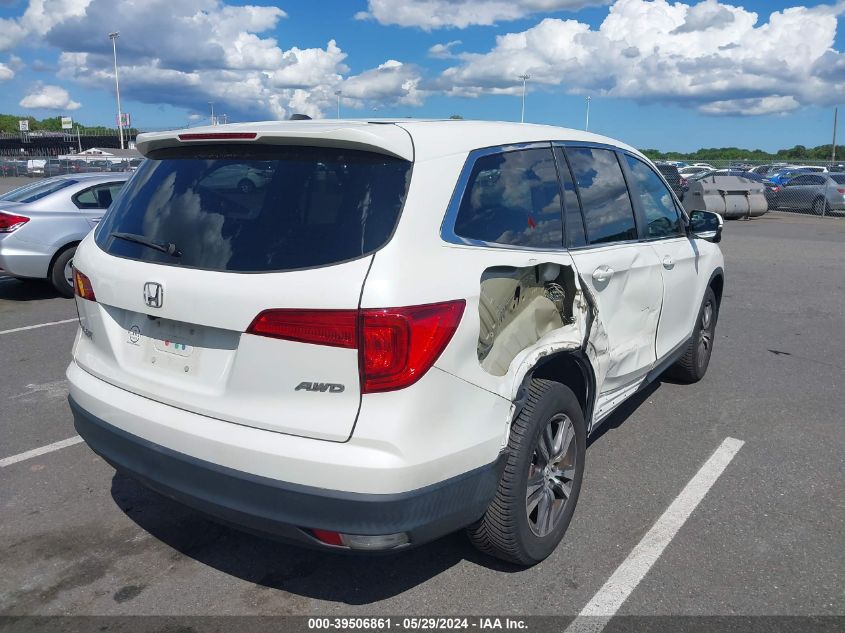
(665, 232)
(94, 201)
(621, 273)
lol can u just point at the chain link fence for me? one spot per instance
(809, 187)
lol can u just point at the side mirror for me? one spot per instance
(706, 225)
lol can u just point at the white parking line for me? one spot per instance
(35, 452)
(35, 327)
(602, 607)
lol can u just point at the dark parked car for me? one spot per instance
(673, 177)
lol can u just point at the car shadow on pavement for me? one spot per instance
(336, 577)
(624, 411)
(30, 290)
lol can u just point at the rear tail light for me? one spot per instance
(841, 190)
(336, 328)
(10, 222)
(82, 287)
(396, 346)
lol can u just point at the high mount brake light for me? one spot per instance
(396, 346)
(11, 222)
(219, 136)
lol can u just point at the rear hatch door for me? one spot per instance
(187, 258)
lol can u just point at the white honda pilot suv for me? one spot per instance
(409, 328)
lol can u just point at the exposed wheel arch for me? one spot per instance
(717, 283)
(570, 368)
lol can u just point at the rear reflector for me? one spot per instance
(360, 541)
(82, 287)
(396, 346)
(219, 136)
(10, 222)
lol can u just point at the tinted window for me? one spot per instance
(257, 209)
(575, 235)
(31, 193)
(604, 196)
(513, 198)
(662, 218)
(99, 197)
(839, 180)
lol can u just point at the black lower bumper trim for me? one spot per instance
(280, 509)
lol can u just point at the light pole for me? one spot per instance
(338, 94)
(587, 125)
(524, 78)
(113, 37)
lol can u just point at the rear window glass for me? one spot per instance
(257, 209)
(839, 180)
(31, 193)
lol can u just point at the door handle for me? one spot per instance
(668, 263)
(602, 274)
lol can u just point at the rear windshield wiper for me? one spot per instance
(167, 248)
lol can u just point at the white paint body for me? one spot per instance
(233, 403)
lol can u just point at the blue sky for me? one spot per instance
(671, 75)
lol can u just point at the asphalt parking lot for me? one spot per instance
(766, 539)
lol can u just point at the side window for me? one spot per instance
(655, 199)
(801, 180)
(513, 198)
(574, 224)
(99, 197)
(606, 204)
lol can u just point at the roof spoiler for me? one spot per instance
(390, 140)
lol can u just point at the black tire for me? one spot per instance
(246, 186)
(692, 366)
(507, 530)
(57, 272)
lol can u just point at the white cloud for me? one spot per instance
(390, 83)
(712, 56)
(49, 98)
(436, 14)
(39, 17)
(443, 51)
(189, 52)
(6, 73)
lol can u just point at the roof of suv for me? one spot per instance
(411, 139)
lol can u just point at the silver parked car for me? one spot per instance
(816, 192)
(41, 224)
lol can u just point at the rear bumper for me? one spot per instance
(286, 510)
(23, 259)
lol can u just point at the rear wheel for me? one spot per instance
(539, 488)
(820, 206)
(246, 186)
(61, 274)
(692, 366)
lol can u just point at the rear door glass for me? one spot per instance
(258, 209)
(604, 195)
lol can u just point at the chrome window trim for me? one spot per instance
(447, 226)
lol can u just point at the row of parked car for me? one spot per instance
(59, 167)
(815, 188)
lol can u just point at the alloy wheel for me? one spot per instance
(550, 475)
